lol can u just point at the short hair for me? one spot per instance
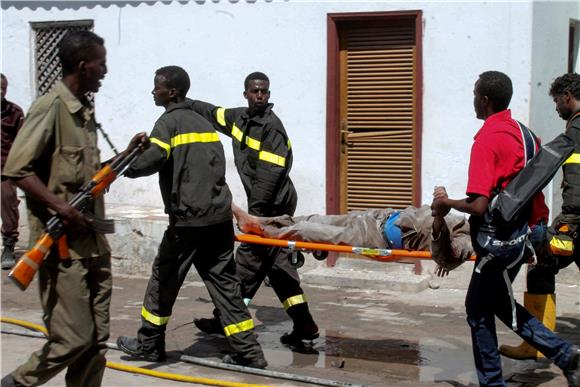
(175, 78)
(77, 46)
(497, 87)
(256, 75)
(3, 76)
(567, 82)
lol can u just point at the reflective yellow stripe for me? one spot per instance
(289, 144)
(189, 138)
(254, 144)
(295, 300)
(239, 327)
(237, 133)
(574, 159)
(220, 116)
(251, 142)
(163, 145)
(272, 158)
(564, 247)
(159, 321)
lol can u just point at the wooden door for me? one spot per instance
(378, 113)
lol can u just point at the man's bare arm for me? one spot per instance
(36, 189)
(473, 205)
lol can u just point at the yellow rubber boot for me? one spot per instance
(542, 307)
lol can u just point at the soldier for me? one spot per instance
(54, 154)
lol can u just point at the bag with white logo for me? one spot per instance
(501, 240)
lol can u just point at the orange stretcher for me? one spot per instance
(385, 255)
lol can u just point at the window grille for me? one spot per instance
(47, 35)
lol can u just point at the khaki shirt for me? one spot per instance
(58, 143)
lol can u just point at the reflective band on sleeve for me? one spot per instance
(272, 158)
(295, 300)
(163, 145)
(156, 320)
(254, 144)
(237, 133)
(289, 144)
(189, 138)
(574, 159)
(243, 326)
(220, 116)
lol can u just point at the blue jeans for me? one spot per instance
(487, 297)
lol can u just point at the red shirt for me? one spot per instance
(497, 155)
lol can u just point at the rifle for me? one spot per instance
(30, 262)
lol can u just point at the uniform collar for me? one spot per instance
(574, 116)
(71, 102)
(260, 119)
(185, 104)
(491, 121)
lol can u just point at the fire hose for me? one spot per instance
(188, 359)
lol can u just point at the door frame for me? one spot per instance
(334, 21)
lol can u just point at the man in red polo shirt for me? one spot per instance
(497, 155)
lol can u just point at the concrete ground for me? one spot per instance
(370, 337)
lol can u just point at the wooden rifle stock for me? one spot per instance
(23, 272)
(27, 266)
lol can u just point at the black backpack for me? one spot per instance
(503, 240)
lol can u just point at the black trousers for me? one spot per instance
(255, 262)
(210, 250)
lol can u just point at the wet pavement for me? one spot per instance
(368, 337)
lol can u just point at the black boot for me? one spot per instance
(306, 332)
(8, 258)
(304, 326)
(132, 346)
(572, 371)
(9, 381)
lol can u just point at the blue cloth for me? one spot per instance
(487, 297)
(392, 232)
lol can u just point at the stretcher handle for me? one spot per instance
(376, 254)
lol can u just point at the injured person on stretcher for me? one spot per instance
(415, 229)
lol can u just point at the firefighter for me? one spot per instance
(540, 298)
(263, 157)
(189, 157)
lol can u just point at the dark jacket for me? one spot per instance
(571, 181)
(262, 153)
(187, 153)
(12, 118)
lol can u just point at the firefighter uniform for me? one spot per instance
(189, 157)
(263, 157)
(541, 279)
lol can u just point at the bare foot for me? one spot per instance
(247, 223)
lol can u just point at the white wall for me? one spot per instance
(549, 61)
(219, 43)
